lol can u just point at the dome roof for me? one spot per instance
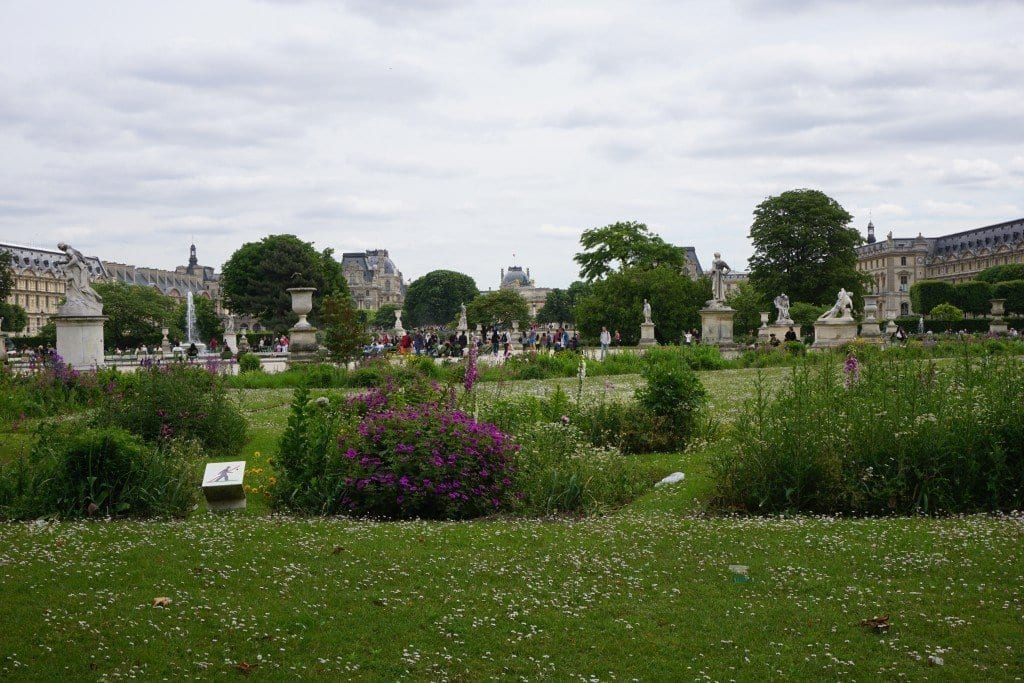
(515, 277)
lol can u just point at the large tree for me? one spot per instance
(559, 305)
(498, 308)
(434, 299)
(135, 315)
(804, 247)
(623, 245)
(258, 275)
(616, 302)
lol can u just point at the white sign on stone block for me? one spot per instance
(222, 485)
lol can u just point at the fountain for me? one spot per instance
(191, 329)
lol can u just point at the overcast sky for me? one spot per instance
(458, 133)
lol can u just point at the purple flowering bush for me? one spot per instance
(52, 388)
(395, 453)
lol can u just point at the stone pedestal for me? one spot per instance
(165, 343)
(302, 346)
(222, 486)
(80, 340)
(834, 332)
(765, 333)
(647, 335)
(716, 326)
(997, 325)
(869, 328)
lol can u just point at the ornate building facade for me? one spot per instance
(373, 279)
(896, 263)
(177, 283)
(39, 282)
(519, 280)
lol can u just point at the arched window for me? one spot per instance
(904, 308)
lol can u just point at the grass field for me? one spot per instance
(645, 593)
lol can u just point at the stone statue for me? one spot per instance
(843, 307)
(81, 299)
(229, 326)
(462, 317)
(782, 304)
(647, 312)
(718, 270)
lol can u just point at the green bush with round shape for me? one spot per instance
(249, 362)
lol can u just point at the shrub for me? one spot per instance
(162, 403)
(902, 438)
(249, 362)
(377, 455)
(672, 392)
(947, 313)
(78, 471)
(558, 470)
(54, 388)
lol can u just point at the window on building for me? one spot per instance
(903, 260)
(904, 308)
(904, 283)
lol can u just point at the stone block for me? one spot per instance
(223, 486)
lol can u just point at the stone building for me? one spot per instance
(896, 263)
(373, 279)
(519, 280)
(177, 283)
(39, 282)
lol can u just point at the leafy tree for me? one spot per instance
(616, 302)
(434, 299)
(14, 317)
(804, 247)
(927, 294)
(6, 274)
(621, 246)
(258, 275)
(344, 333)
(748, 303)
(384, 318)
(1013, 292)
(498, 308)
(972, 297)
(947, 313)
(804, 315)
(560, 303)
(1008, 271)
(208, 324)
(134, 314)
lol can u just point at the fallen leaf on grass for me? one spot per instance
(877, 624)
(245, 667)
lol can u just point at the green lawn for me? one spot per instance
(645, 593)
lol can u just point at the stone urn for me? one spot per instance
(302, 304)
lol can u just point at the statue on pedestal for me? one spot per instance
(647, 312)
(719, 268)
(81, 299)
(462, 317)
(782, 304)
(843, 307)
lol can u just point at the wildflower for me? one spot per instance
(851, 369)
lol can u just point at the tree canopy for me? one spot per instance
(135, 315)
(344, 333)
(384, 318)
(616, 302)
(804, 248)
(6, 274)
(434, 298)
(623, 245)
(1008, 271)
(258, 275)
(498, 308)
(559, 304)
(13, 317)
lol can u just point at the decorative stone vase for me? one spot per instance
(997, 325)
(302, 304)
(764, 319)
